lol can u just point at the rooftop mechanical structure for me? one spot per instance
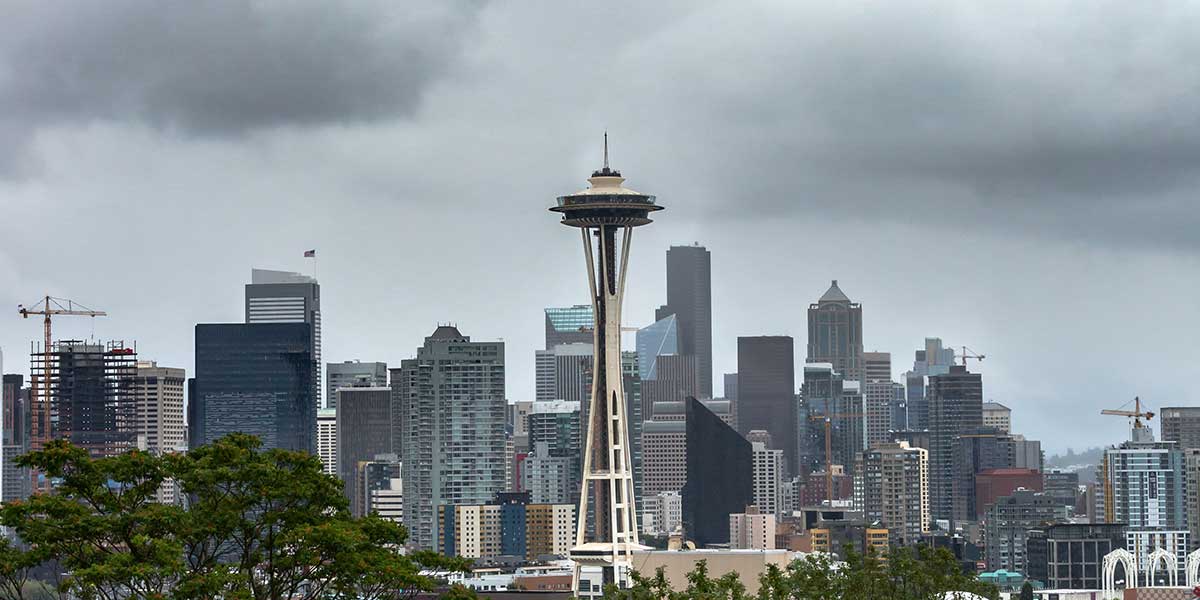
(606, 213)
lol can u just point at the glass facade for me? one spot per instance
(569, 325)
(256, 379)
(653, 340)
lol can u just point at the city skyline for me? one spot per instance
(1007, 228)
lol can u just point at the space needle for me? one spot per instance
(606, 213)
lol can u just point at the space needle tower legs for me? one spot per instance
(604, 212)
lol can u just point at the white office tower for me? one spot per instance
(327, 448)
(606, 214)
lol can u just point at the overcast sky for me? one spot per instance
(1018, 177)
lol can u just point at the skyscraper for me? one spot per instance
(159, 392)
(720, 476)
(554, 468)
(15, 412)
(1144, 486)
(601, 212)
(662, 337)
(286, 297)
(768, 477)
(568, 325)
(1008, 522)
(91, 393)
(364, 430)
(933, 359)
(256, 379)
(352, 374)
(327, 443)
(893, 487)
(689, 298)
(955, 407)
(564, 372)
(452, 414)
(1181, 424)
(976, 450)
(835, 333)
(767, 391)
(675, 379)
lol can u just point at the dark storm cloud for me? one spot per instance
(220, 67)
(1026, 117)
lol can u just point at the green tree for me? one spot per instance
(258, 525)
(16, 571)
(102, 525)
(1027, 591)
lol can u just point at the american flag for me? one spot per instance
(310, 254)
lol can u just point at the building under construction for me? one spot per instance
(87, 395)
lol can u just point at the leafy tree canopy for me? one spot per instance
(254, 524)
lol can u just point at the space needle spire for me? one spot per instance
(606, 213)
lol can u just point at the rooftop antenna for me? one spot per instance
(606, 150)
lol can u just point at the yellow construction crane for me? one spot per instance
(969, 353)
(1136, 414)
(47, 307)
(828, 419)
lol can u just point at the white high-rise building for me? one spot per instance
(160, 415)
(1146, 482)
(327, 448)
(768, 473)
(662, 513)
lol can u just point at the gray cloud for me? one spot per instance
(223, 67)
(1015, 177)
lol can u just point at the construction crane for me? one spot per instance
(48, 306)
(1136, 414)
(828, 419)
(969, 353)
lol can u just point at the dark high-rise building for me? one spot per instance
(933, 359)
(256, 378)
(720, 476)
(92, 393)
(823, 393)
(286, 297)
(955, 407)
(364, 430)
(835, 333)
(689, 298)
(14, 409)
(1181, 424)
(1070, 556)
(1008, 522)
(452, 414)
(767, 391)
(568, 325)
(731, 390)
(974, 451)
(675, 379)
(352, 374)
